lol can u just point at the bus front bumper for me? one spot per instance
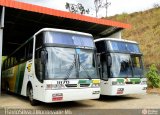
(62, 95)
(125, 89)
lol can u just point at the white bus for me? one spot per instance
(54, 65)
(121, 67)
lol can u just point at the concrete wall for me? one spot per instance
(116, 35)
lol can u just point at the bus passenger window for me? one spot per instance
(38, 65)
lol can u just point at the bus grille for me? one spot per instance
(71, 85)
(132, 82)
(84, 85)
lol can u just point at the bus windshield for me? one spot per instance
(68, 39)
(118, 46)
(70, 63)
(126, 65)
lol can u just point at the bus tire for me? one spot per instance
(33, 102)
(7, 87)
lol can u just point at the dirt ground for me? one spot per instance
(140, 101)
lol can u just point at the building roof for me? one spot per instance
(22, 20)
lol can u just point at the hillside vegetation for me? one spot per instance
(146, 31)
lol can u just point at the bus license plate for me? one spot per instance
(57, 97)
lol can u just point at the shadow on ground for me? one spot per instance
(116, 98)
(41, 105)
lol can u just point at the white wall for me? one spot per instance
(116, 35)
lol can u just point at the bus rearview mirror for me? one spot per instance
(99, 60)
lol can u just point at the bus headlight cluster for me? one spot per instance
(54, 86)
(144, 82)
(95, 85)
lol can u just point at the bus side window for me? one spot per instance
(4, 65)
(27, 50)
(11, 62)
(30, 49)
(8, 65)
(38, 65)
(39, 40)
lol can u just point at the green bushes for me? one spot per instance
(153, 77)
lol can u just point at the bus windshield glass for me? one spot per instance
(70, 63)
(86, 60)
(68, 39)
(121, 65)
(118, 46)
(126, 65)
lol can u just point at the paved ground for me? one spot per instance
(148, 101)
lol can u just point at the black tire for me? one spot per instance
(33, 102)
(7, 88)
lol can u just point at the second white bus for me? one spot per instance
(121, 67)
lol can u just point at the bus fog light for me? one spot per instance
(96, 92)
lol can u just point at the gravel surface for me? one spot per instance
(141, 101)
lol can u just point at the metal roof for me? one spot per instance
(22, 20)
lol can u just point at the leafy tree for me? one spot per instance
(100, 4)
(76, 8)
(156, 5)
(153, 77)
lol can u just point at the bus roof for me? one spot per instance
(50, 29)
(115, 39)
(63, 31)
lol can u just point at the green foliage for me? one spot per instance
(153, 77)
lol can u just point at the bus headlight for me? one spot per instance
(95, 83)
(54, 86)
(144, 82)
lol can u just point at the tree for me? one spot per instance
(100, 4)
(153, 77)
(78, 9)
(156, 5)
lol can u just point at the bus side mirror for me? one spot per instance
(109, 59)
(44, 56)
(99, 60)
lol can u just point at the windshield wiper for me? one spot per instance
(70, 69)
(83, 68)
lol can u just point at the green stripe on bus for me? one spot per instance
(135, 80)
(19, 78)
(120, 80)
(84, 82)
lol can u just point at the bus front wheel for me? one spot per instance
(30, 95)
